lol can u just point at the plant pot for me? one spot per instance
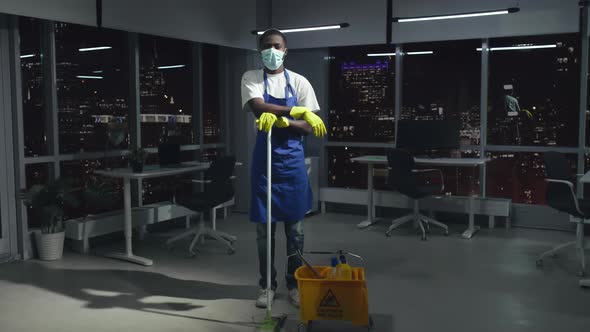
(137, 167)
(50, 246)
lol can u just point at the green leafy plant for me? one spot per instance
(99, 195)
(48, 201)
(137, 154)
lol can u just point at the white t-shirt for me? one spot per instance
(253, 87)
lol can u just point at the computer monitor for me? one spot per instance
(428, 134)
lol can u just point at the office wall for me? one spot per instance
(220, 22)
(71, 11)
(536, 17)
(242, 136)
(366, 19)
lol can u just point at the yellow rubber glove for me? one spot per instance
(297, 112)
(319, 128)
(528, 113)
(282, 122)
(266, 121)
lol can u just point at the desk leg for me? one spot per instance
(370, 207)
(128, 254)
(468, 234)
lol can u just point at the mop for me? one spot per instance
(271, 323)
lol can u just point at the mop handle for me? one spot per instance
(268, 218)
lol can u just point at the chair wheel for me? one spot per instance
(581, 274)
(447, 233)
(423, 238)
(231, 251)
(539, 262)
(388, 234)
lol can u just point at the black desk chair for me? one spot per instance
(561, 196)
(218, 193)
(404, 177)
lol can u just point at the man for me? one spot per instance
(513, 110)
(284, 101)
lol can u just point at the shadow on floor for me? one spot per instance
(105, 289)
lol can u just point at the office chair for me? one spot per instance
(560, 195)
(404, 177)
(218, 193)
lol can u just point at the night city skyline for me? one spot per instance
(93, 90)
(428, 94)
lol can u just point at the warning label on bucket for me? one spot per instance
(330, 307)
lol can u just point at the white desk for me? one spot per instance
(149, 172)
(371, 161)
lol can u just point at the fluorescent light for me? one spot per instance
(381, 54)
(87, 49)
(27, 56)
(90, 77)
(408, 53)
(453, 16)
(313, 28)
(172, 66)
(524, 47)
(97, 71)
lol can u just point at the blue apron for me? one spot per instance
(291, 192)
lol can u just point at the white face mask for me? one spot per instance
(272, 58)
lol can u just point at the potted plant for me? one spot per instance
(47, 203)
(137, 156)
(99, 195)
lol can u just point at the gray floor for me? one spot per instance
(489, 283)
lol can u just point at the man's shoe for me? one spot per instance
(262, 300)
(294, 297)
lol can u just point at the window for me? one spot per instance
(362, 93)
(36, 174)
(211, 108)
(586, 169)
(166, 85)
(519, 176)
(34, 114)
(459, 181)
(211, 154)
(441, 81)
(344, 173)
(533, 94)
(161, 189)
(92, 86)
(82, 172)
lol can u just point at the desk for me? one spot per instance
(149, 172)
(371, 161)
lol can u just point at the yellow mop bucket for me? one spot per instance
(333, 299)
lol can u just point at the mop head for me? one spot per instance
(272, 323)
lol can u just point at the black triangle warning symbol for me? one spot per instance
(329, 300)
